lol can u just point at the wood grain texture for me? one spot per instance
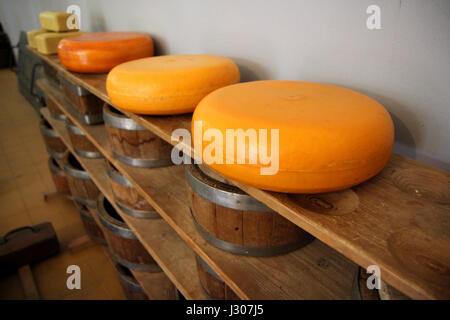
(52, 143)
(93, 230)
(28, 284)
(217, 289)
(80, 188)
(161, 241)
(315, 272)
(137, 144)
(85, 105)
(59, 179)
(50, 72)
(126, 195)
(81, 142)
(247, 228)
(52, 107)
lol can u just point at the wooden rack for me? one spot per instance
(399, 220)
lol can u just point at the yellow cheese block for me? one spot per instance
(309, 137)
(33, 33)
(47, 43)
(170, 84)
(55, 21)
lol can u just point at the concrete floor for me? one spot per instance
(24, 179)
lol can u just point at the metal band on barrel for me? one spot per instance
(143, 163)
(49, 132)
(74, 129)
(208, 269)
(86, 118)
(138, 213)
(58, 116)
(86, 214)
(76, 173)
(88, 154)
(116, 177)
(224, 198)
(247, 250)
(120, 122)
(115, 226)
(56, 155)
(126, 281)
(86, 202)
(80, 91)
(153, 268)
(55, 169)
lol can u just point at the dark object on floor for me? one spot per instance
(6, 53)
(29, 70)
(27, 245)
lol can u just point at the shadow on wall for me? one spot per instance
(403, 126)
(159, 44)
(250, 71)
(405, 142)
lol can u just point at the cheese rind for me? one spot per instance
(99, 52)
(47, 43)
(329, 138)
(172, 84)
(32, 34)
(55, 21)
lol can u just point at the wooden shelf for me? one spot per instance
(172, 254)
(399, 220)
(315, 272)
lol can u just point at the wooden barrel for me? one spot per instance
(86, 106)
(55, 112)
(81, 186)
(362, 292)
(233, 221)
(55, 146)
(90, 225)
(51, 74)
(160, 286)
(133, 144)
(124, 245)
(213, 286)
(127, 197)
(131, 288)
(81, 143)
(59, 177)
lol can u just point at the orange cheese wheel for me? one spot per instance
(329, 138)
(99, 52)
(170, 84)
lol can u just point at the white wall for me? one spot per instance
(405, 65)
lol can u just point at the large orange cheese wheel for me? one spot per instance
(99, 52)
(330, 138)
(170, 84)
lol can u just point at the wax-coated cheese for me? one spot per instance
(55, 21)
(171, 84)
(99, 52)
(329, 138)
(47, 43)
(32, 34)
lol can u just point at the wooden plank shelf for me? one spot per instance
(172, 254)
(145, 279)
(398, 220)
(315, 272)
